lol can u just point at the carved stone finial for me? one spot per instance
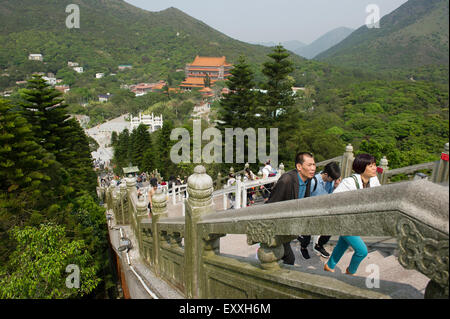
(200, 187)
(130, 182)
(159, 202)
(141, 206)
(384, 162)
(349, 148)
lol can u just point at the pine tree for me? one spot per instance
(238, 108)
(77, 159)
(279, 95)
(121, 158)
(162, 148)
(114, 138)
(44, 109)
(141, 142)
(279, 110)
(207, 81)
(29, 175)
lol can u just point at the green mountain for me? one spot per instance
(289, 45)
(413, 36)
(112, 32)
(323, 43)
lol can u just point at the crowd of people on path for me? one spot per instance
(303, 182)
(267, 171)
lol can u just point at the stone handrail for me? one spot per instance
(336, 159)
(415, 213)
(218, 183)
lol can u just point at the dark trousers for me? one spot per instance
(289, 257)
(306, 239)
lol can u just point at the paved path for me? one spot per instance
(102, 134)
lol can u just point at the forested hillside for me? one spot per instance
(413, 36)
(111, 33)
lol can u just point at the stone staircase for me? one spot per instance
(394, 280)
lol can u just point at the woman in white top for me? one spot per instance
(365, 168)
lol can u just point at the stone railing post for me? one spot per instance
(159, 210)
(219, 181)
(141, 213)
(281, 169)
(347, 161)
(131, 190)
(123, 204)
(440, 172)
(244, 194)
(200, 189)
(384, 166)
(237, 204)
(225, 199)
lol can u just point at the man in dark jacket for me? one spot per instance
(294, 184)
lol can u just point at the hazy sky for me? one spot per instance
(274, 20)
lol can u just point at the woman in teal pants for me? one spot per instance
(365, 168)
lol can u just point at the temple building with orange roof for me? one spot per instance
(216, 68)
(207, 92)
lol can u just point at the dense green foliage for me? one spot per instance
(413, 36)
(37, 269)
(406, 121)
(47, 177)
(111, 33)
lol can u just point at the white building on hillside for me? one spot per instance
(36, 57)
(50, 80)
(153, 122)
(78, 69)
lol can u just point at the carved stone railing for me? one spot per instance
(440, 168)
(415, 213)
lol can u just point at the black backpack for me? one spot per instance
(315, 184)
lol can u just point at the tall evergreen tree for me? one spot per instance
(279, 110)
(77, 159)
(279, 87)
(114, 138)
(207, 81)
(238, 108)
(141, 142)
(30, 177)
(45, 110)
(121, 158)
(163, 146)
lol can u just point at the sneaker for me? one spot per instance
(321, 251)
(305, 253)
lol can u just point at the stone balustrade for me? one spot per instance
(185, 251)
